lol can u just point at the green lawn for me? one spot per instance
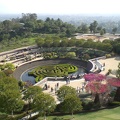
(107, 114)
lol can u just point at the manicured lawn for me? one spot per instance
(107, 114)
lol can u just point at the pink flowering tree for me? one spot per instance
(96, 88)
(116, 83)
(94, 76)
(95, 85)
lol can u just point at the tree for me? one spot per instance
(30, 93)
(106, 47)
(48, 43)
(86, 56)
(94, 76)
(93, 27)
(118, 72)
(2, 75)
(64, 91)
(96, 88)
(114, 30)
(116, 47)
(116, 83)
(7, 24)
(79, 43)
(40, 42)
(71, 104)
(95, 23)
(21, 84)
(102, 32)
(70, 55)
(28, 17)
(71, 42)
(64, 43)
(44, 103)
(10, 97)
(56, 43)
(99, 28)
(83, 28)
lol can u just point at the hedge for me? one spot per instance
(59, 70)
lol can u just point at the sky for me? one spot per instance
(60, 6)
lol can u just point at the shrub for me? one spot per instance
(114, 103)
(96, 106)
(87, 105)
(3, 116)
(8, 72)
(108, 55)
(52, 70)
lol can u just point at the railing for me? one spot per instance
(98, 64)
(48, 79)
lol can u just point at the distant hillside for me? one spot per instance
(108, 21)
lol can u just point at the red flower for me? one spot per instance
(114, 82)
(96, 87)
(93, 76)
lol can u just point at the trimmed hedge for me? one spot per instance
(58, 70)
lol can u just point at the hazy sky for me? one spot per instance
(60, 6)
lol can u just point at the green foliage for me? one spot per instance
(21, 84)
(70, 55)
(86, 57)
(93, 27)
(2, 75)
(114, 30)
(10, 100)
(31, 92)
(87, 105)
(65, 91)
(3, 116)
(44, 103)
(51, 55)
(29, 30)
(114, 103)
(118, 71)
(108, 55)
(71, 104)
(52, 71)
(6, 66)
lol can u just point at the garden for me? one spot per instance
(59, 70)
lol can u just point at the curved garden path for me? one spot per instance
(17, 73)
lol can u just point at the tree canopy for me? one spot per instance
(44, 103)
(64, 91)
(71, 104)
(10, 100)
(94, 76)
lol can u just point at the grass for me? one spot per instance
(106, 114)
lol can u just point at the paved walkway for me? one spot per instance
(77, 83)
(110, 63)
